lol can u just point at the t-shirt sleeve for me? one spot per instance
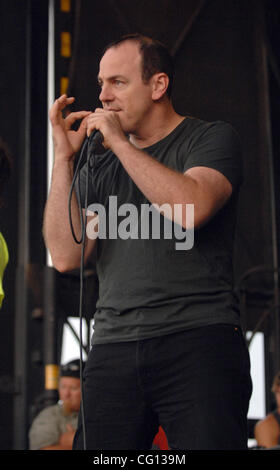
(218, 146)
(44, 430)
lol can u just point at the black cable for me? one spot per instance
(76, 174)
(81, 310)
(80, 163)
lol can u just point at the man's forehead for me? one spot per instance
(124, 56)
(69, 380)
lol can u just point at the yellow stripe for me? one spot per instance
(65, 5)
(51, 376)
(63, 85)
(65, 44)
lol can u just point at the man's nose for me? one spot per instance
(66, 393)
(106, 93)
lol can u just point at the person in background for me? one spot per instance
(55, 426)
(5, 172)
(267, 431)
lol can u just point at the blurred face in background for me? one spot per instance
(70, 393)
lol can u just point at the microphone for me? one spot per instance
(95, 143)
(92, 146)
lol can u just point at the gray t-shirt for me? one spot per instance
(48, 426)
(147, 287)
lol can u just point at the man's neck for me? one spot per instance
(163, 121)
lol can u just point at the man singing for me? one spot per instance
(167, 348)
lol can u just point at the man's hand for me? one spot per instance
(108, 123)
(66, 141)
(66, 439)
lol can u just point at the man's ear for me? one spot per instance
(159, 85)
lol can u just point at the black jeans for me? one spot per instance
(195, 383)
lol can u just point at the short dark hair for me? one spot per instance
(5, 167)
(155, 57)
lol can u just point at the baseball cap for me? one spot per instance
(71, 369)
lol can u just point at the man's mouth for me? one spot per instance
(115, 110)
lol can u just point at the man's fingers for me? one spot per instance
(59, 104)
(64, 100)
(55, 113)
(73, 117)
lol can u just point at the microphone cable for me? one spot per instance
(81, 241)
